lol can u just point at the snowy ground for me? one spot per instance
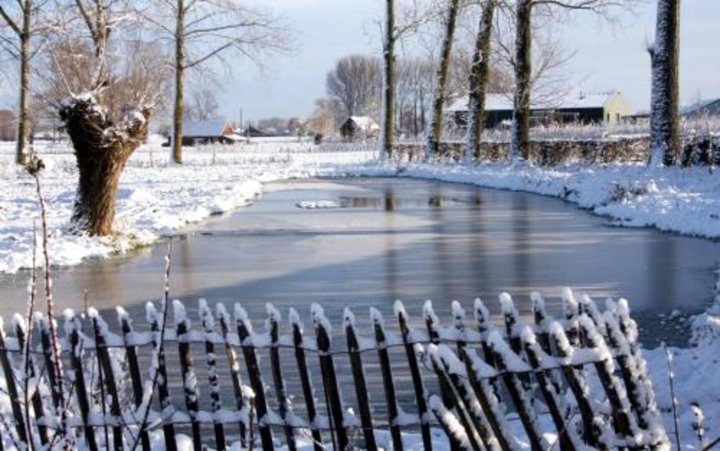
(158, 198)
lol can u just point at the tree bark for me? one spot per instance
(664, 115)
(435, 129)
(386, 141)
(23, 114)
(479, 76)
(523, 73)
(101, 151)
(179, 81)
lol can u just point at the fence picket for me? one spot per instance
(166, 405)
(208, 324)
(35, 399)
(361, 390)
(236, 380)
(299, 345)
(284, 407)
(386, 371)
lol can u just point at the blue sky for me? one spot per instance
(605, 57)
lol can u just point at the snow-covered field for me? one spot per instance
(159, 198)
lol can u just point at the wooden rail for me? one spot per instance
(581, 379)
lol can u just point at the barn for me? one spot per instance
(208, 132)
(701, 109)
(359, 127)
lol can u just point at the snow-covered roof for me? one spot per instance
(504, 102)
(204, 128)
(698, 106)
(365, 123)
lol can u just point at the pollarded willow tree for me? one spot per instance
(107, 101)
(520, 147)
(664, 107)
(206, 31)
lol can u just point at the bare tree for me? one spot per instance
(664, 111)
(109, 102)
(478, 81)
(205, 31)
(355, 82)
(435, 127)
(7, 125)
(523, 58)
(20, 20)
(204, 104)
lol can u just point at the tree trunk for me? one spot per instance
(101, 151)
(23, 116)
(436, 124)
(479, 76)
(386, 142)
(179, 74)
(664, 115)
(523, 74)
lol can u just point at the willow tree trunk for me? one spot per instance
(523, 73)
(386, 141)
(436, 122)
(664, 114)
(479, 77)
(101, 151)
(179, 82)
(23, 129)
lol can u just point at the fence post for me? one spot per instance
(412, 352)
(72, 331)
(224, 319)
(166, 406)
(15, 402)
(244, 331)
(285, 410)
(134, 368)
(386, 370)
(101, 331)
(509, 363)
(208, 324)
(36, 400)
(361, 390)
(298, 343)
(189, 379)
(332, 394)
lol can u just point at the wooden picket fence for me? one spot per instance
(581, 378)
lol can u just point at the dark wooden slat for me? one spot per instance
(386, 371)
(208, 324)
(536, 357)
(35, 399)
(519, 396)
(283, 405)
(299, 345)
(244, 330)
(166, 406)
(126, 328)
(189, 379)
(454, 431)
(236, 380)
(105, 367)
(15, 402)
(577, 383)
(419, 387)
(72, 326)
(361, 390)
(327, 367)
(42, 326)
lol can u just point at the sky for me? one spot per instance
(605, 56)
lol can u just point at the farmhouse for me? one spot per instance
(359, 127)
(608, 108)
(208, 132)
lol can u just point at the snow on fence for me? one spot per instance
(581, 379)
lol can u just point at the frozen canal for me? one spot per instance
(387, 239)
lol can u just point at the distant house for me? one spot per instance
(359, 127)
(208, 132)
(609, 108)
(703, 108)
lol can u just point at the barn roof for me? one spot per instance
(364, 122)
(581, 100)
(698, 107)
(504, 102)
(203, 128)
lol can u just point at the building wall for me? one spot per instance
(616, 109)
